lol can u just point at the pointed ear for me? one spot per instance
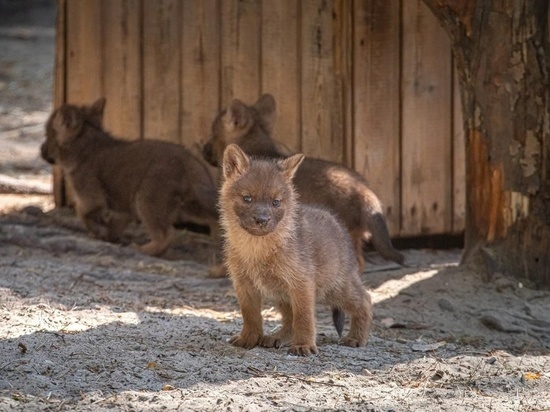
(66, 123)
(96, 109)
(266, 104)
(237, 116)
(289, 166)
(267, 109)
(235, 161)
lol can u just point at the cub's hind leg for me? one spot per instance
(359, 307)
(157, 211)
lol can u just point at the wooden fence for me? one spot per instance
(369, 83)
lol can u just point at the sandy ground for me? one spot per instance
(87, 325)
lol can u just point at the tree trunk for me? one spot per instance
(502, 54)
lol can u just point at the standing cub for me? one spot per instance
(116, 181)
(319, 182)
(292, 253)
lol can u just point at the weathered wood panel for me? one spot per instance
(122, 67)
(200, 92)
(342, 121)
(240, 50)
(281, 66)
(364, 82)
(426, 123)
(162, 70)
(459, 160)
(60, 79)
(317, 106)
(84, 51)
(376, 103)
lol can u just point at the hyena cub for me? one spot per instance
(116, 181)
(294, 254)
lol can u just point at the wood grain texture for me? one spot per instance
(60, 77)
(426, 123)
(342, 121)
(84, 82)
(162, 70)
(122, 69)
(376, 98)
(280, 66)
(201, 69)
(240, 50)
(317, 104)
(459, 160)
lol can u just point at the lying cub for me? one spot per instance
(117, 181)
(294, 254)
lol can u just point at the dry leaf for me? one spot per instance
(532, 376)
(152, 365)
(426, 347)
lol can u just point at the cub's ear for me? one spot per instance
(235, 161)
(237, 116)
(66, 123)
(95, 111)
(266, 104)
(267, 109)
(290, 165)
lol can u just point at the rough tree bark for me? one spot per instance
(502, 54)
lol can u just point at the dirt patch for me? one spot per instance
(92, 326)
(89, 325)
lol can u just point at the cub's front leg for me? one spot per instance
(302, 299)
(250, 301)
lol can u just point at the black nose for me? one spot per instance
(262, 220)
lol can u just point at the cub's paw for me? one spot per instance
(247, 342)
(351, 342)
(303, 350)
(271, 341)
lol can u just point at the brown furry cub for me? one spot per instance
(295, 254)
(115, 181)
(317, 181)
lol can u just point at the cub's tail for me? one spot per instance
(377, 229)
(338, 319)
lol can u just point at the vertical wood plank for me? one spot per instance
(426, 123)
(317, 102)
(84, 42)
(376, 86)
(84, 77)
(59, 88)
(240, 50)
(342, 121)
(459, 159)
(201, 69)
(161, 70)
(280, 66)
(122, 67)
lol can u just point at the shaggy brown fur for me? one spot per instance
(295, 254)
(339, 189)
(116, 181)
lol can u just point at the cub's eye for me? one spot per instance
(247, 198)
(276, 202)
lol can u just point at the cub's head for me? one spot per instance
(235, 122)
(65, 125)
(257, 193)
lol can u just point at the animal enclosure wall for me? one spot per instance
(369, 83)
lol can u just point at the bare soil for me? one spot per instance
(91, 326)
